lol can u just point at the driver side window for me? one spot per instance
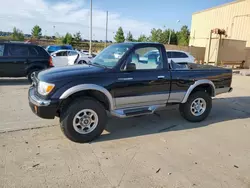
(146, 58)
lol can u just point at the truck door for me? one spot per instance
(148, 83)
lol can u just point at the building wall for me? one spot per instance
(247, 64)
(223, 17)
(232, 50)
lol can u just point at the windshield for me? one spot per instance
(110, 56)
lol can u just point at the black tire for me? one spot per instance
(81, 62)
(185, 109)
(68, 113)
(30, 74)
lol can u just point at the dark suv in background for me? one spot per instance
(22, 60)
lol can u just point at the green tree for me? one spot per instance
(174, 38)
(142, 38)
(36, 31)
(58, 39)
(119, 37)
(164, 36)
(156, 35)
(129, 37)
(17, 34)
(67, 39)
(183, 36)
(77, 37)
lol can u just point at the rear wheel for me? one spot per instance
(197, 107)
(83, 120)
(81, 62)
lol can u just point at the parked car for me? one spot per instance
(128, 86)
(86, 52)
(180, 56)
(55, 48)
(22, 60)
(69, 57)
(176, 56)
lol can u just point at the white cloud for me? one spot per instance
(71, 16)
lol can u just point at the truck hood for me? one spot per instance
(68, 72)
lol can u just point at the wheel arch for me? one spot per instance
(91, 90)
(200, 85)
(35, 67)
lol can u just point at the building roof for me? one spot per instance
(219, 6)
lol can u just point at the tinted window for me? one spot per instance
(169, 55)
(41, 51)
(33, 51)
(146, 58)
(72, 53)
(61, 53)
(1, 49)
(179, 55)
(18, 50)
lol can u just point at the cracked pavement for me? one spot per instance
(160, 150)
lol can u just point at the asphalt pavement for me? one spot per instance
(160, 150)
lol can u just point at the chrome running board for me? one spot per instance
(136, 111)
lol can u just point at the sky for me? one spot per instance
(62, 16)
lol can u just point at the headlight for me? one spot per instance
(45, 88)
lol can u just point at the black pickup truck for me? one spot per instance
(125, 82)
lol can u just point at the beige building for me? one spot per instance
(234, 17)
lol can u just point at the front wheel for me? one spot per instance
(83, 120)
(197, 107)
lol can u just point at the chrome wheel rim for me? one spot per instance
(85, 121)
(32, 75)
(198, 106)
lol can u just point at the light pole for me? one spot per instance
(169, 39)
(106, 29)
(54, 30)
(90, 29)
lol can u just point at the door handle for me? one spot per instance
(125, 79)
(161, 77)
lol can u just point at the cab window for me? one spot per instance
(146, 58)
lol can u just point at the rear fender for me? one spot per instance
(196, 84)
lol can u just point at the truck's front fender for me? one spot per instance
(85, 87)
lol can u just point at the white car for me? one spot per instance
(176, 56)
(69, 57)
(180, 56)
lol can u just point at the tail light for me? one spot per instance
(50, 62)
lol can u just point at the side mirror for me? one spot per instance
(130, 67)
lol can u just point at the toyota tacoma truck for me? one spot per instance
(131, 84)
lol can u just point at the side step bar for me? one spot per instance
(136, 111)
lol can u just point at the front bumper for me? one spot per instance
(46, 109)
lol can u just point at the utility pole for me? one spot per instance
(90, 29)
(107, 16)
(169, 39)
